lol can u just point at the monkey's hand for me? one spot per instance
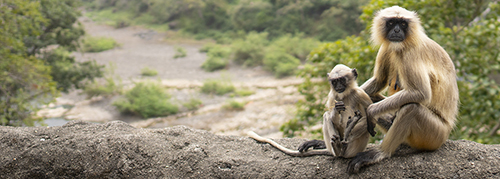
(315, 144)
(363, 159)
(339, 106)
(370, 121)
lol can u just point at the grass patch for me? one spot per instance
(244, 92)
(217, 87)
(233, 105)
(98, 44)
(180, 52)
(146, 99)
(148, 72)
(193, 104)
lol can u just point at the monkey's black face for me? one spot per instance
(339, 84)
(396, 29)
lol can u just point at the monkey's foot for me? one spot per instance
(337, 144)
(363, 159)
(315, 144)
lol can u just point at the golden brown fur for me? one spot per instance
(354, 99)
(426, 104)
(349, 139)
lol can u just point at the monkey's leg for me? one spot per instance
(330, 129)
(353, 121)
(357, 139)
(385, 122)
(415, 125)
(331, 133)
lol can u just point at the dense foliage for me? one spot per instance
(468, 31)
(325, 19)
(36, 37)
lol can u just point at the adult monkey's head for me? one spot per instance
(397, 28)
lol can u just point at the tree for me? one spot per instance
(32, 73)
(24, 79)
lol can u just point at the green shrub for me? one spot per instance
(250, 51)
(193, 104)
(180, 52)
(122, 23)
(217, 58)
(148, 72)
(206, 47)
(280, 63)
(214, 63)
(217, 87)
(107, 89)
(146, 99)
(244, 92)
(233, 105)
(298, 45)
(98, 44)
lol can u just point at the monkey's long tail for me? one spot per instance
(285, 150)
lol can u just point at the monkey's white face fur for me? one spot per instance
(339, 71)
(413, 36)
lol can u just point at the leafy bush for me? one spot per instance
(148, 100)
(250, 51)
(109, 88)
(217, 58)
(148, 72)
(193, 104)
(214, 63)
(244, 92)
(180, 52)
(122, 23)
(280, 63)
(233, 105)
(98, 44)
(299, 46)
(69, 73)
(217, 87)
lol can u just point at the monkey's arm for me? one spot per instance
(378, 82)
(363, 101)
(416, 89)
(285, 150)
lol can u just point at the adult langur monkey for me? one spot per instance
(424, 110)
(344, 124)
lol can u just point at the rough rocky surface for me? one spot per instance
(117, 150)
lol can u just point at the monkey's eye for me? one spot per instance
(404, 24)
(389, 23)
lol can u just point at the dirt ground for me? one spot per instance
(272, 104)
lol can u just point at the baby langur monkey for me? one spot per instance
(344, 125)
(343, 131)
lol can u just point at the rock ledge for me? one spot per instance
(117, 150)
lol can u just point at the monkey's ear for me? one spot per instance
(327, 74)
(355, 73)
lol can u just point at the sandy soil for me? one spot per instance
(272, 104)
